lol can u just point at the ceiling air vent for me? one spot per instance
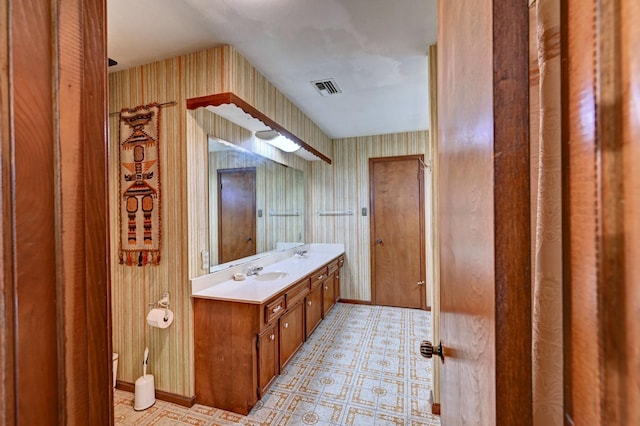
(326, 87)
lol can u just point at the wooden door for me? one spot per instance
(236, 213)
(397, 231)
(55, 335)
(485, 289)
(601, 77)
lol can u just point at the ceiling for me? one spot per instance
(375, 50)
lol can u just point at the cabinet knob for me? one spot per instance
(321, 277)
(337, 277)
(286, 325)
(272, 337)
(326, 287)
(277, 308)
(309, 303)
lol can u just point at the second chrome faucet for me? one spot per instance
(254, 270)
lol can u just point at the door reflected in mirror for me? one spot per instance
(255, 204)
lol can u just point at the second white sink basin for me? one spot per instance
(271, 276)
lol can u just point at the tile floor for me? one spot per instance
(360, 367)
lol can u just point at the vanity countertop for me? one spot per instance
(252, 290)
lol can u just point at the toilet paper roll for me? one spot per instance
(156, 318)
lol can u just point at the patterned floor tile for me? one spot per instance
(360, 367)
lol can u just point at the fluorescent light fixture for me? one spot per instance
(275, 139)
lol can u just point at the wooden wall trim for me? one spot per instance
(7, 296)
(97, 280)
(601, 205)
(435, 409)
(566, 271)
(173, 398)
(34, 228)
(512, 212)
(230, 98)
(355, 302)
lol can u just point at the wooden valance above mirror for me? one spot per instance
(260, 121)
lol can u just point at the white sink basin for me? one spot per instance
(271, 276)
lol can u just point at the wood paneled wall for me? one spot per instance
(184, 191)
(345, 185)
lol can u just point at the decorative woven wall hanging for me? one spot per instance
(140, 200)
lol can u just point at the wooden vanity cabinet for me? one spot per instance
(331, 290)
(226, 355)
(336, 279)
(291, 332)
(268, 361)
(240, 348)
(313, 308)
(328, 294)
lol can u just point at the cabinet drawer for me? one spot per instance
(341, 261)
(274, 309)
(318, 275)
(296, 293)
(333, 266)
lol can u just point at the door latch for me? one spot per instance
(427, 350)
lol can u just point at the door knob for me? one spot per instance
(379, 241)
(427, 350)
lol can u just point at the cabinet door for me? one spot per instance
(267, 358)
(291, 332)
(336, 285)
(328, 292)
(313, 308)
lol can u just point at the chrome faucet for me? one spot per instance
(300, 253)
(254, 270)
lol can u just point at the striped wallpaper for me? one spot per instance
(345, 185)
(183, 155)
(185, 188)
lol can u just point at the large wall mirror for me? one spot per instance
(256, 205)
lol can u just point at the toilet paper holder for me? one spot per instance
(163, 303)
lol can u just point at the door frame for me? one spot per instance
(601, 204)
(54, 252)
(422, 230)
